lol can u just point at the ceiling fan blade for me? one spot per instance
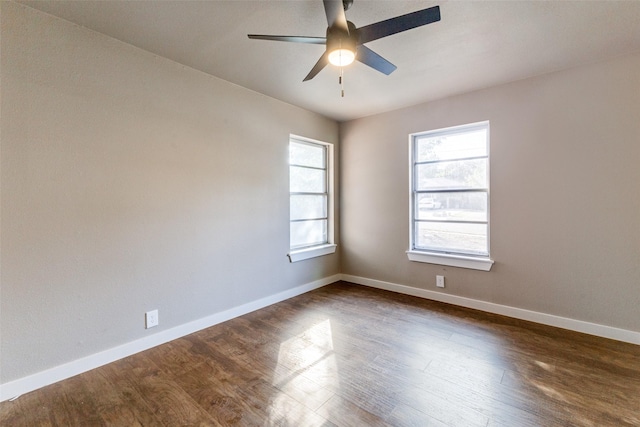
(373, 60)
(293, 39)
(334, 9)
(398, 24)
(322, 62)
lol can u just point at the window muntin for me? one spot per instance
(306, 179)
(450, 191)
(308, 206)
(308, 194)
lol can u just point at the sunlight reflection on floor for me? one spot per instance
(307, 369)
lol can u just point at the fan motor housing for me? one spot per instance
(338, 39)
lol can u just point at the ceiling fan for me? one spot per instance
(345, 43)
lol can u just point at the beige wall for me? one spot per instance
(130, 183)
(565, 194)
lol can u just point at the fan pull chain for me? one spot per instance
(341, 81)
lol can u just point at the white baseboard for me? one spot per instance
(632, 337)
(40, 379)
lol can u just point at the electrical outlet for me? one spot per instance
(440, 281)
(151, 319)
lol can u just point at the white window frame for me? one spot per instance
(470, 261)
(329, 246)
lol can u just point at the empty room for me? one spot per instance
(319, 213)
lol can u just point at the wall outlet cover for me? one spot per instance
(151, 319)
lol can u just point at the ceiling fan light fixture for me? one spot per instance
(341, 57)
(344, 41)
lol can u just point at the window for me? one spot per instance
(310, 199)
(450, 196)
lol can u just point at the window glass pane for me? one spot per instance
(307, 155)
(452, 206)
(458, 145)
(452, 237)
(305, 180)
(308, 206)
(457, 174)
(308, 233)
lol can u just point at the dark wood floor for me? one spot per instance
(347, 355)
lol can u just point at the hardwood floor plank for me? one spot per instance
(406, 416)
(32, 408)
(218, 395)
(433, 404)
(581, 391)
(344, 413)
(277, 407)
(171, 404)
(73, 405)
(304, 390)
(119, 375)
(112, 404)
(163, 400)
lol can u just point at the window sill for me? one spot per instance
(473, 263)
(316, 251)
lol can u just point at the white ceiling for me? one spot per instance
(477, 44)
